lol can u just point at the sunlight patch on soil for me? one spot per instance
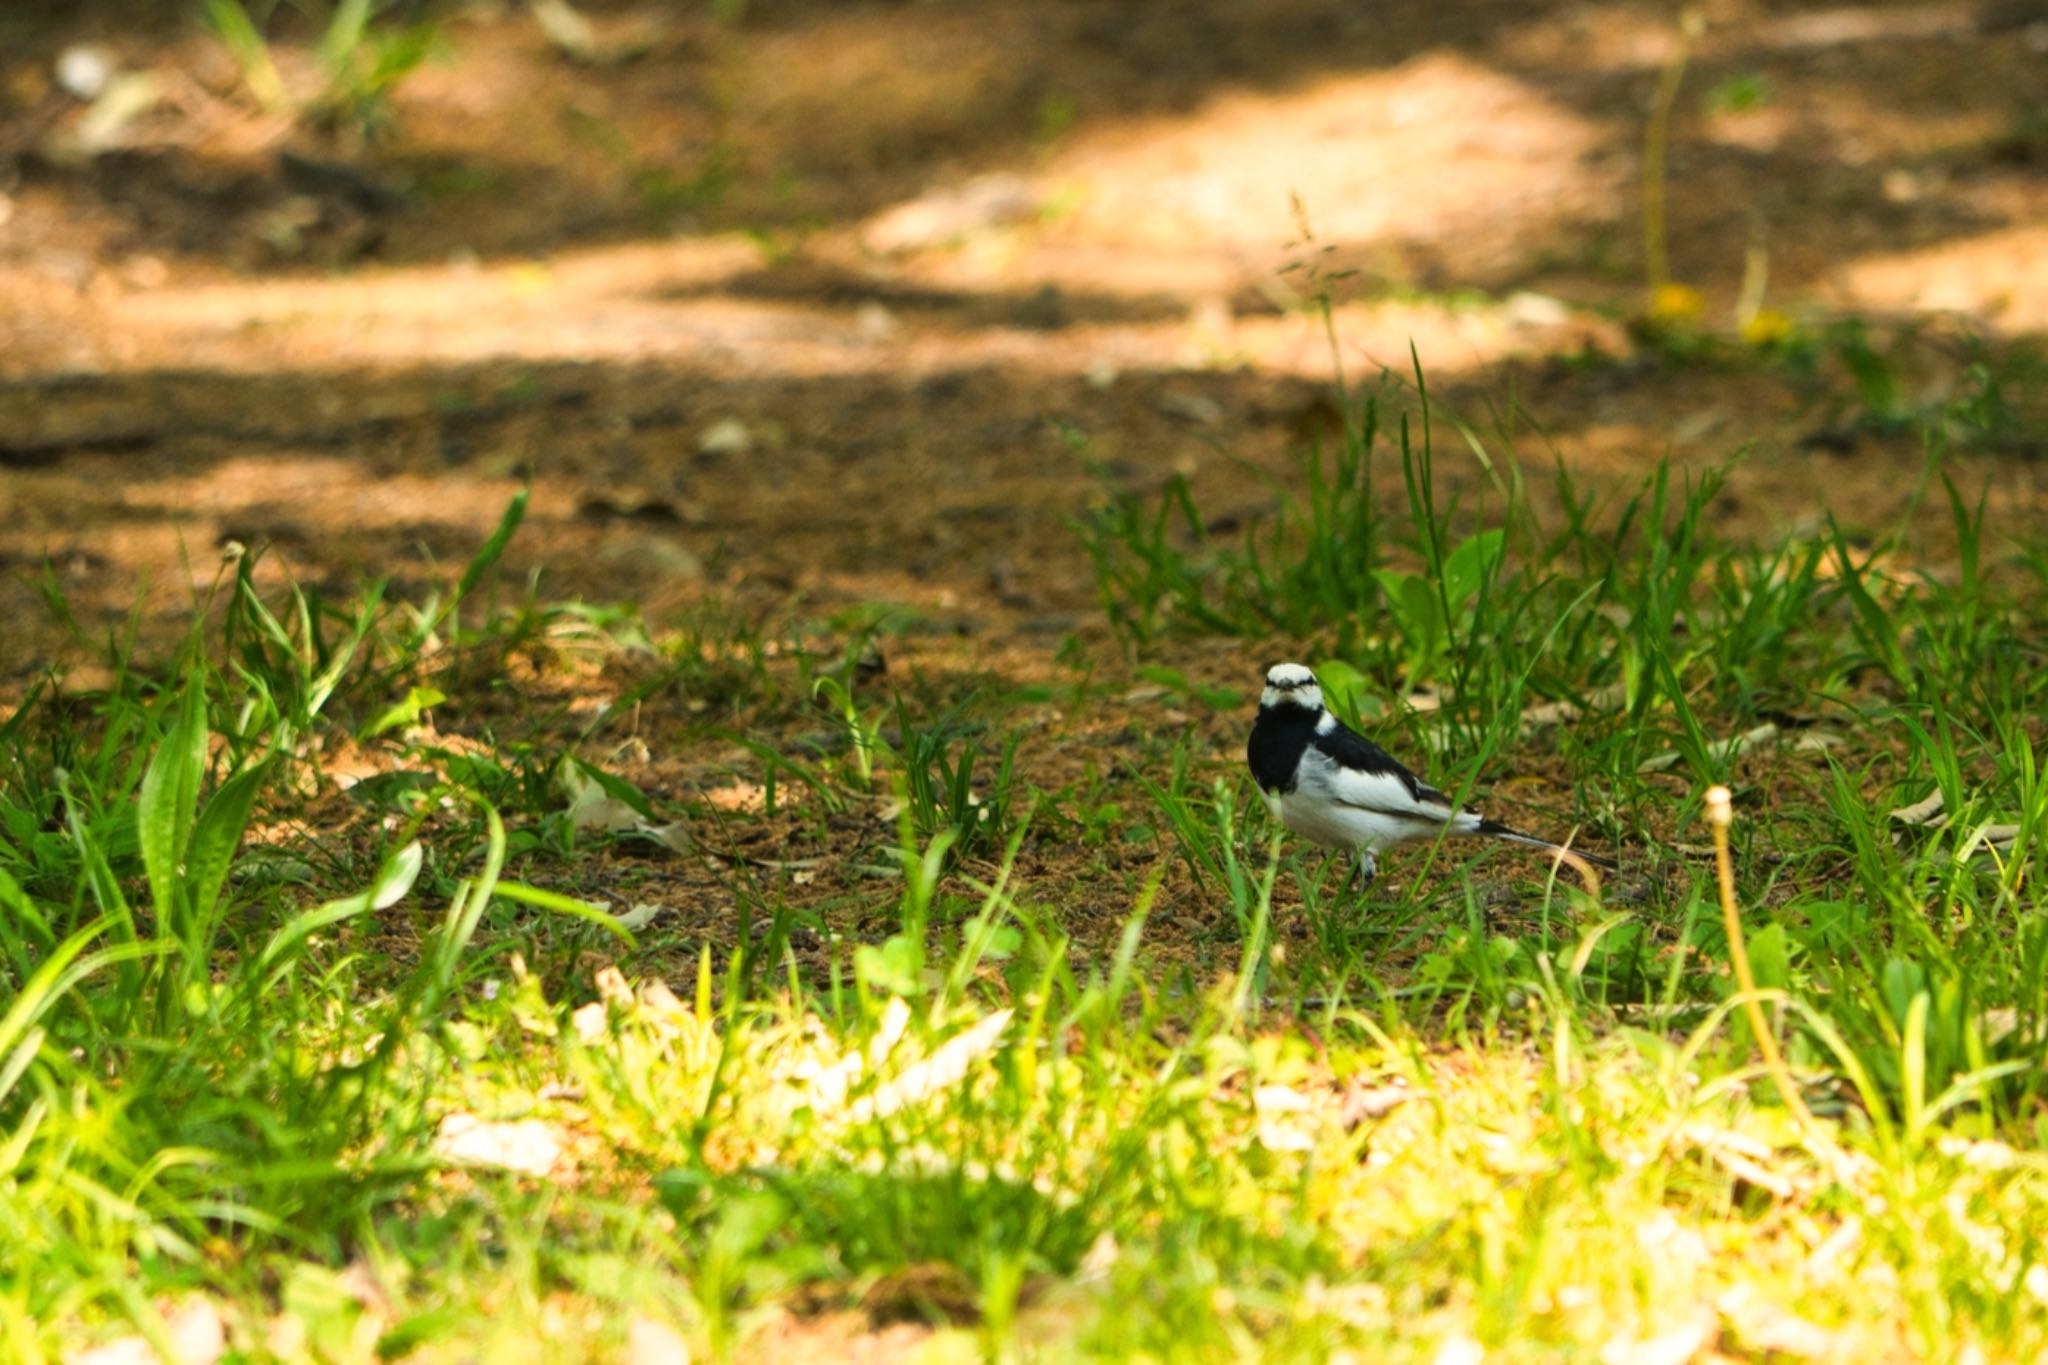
(1434, 150)
(652, 302)
(1438, 148)
(2000, 276)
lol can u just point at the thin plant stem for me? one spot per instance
(1720, 814)
(1656, 138)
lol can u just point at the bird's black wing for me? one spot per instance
(1355, 753)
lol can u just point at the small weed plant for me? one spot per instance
(361, 52)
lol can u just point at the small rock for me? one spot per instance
(726, 436)
(873, 322)
(83, 71)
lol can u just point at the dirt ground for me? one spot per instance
(851, 302)
(828, 303)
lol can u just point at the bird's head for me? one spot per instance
(1291, 685)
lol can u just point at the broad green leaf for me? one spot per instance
(494, 548)
(1470, 565)
(746, 1221)
(231, 23)
(406, 711)
(344, 35)
(64, 969)
(216, 837)
(1394, 590)
(16, 903)
(1901, 981)
(170, 799)
(567, 905)
(893, 967)
(1770, 958)
(1344, 687)
(1422, 613)
(394, 878)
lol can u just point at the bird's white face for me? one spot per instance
(1291, 685)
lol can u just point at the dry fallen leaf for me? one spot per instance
(738, 796)
(1675, 1346)
(593, 808)
(525, 1146)
(1100, 1259)
(193, 1329)
(1371, 1102)
(581, 40)
(1550, 713)
(655, 1343)
(1458, 1350)
(673, 836)
(945, 1068)
(1930, 815)
(1725, 750)
(640, 916)
(946, 216)
(1546, 713)
(1741, 1156)
(1926, 812)
(591, 1020)
(126, 97)
(1274, 1105)
(1767, 1329)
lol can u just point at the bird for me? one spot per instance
(1334, 787)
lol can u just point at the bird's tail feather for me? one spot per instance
(1515, 836)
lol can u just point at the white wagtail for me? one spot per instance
(1334, 787)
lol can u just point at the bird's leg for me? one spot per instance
(1362, 872)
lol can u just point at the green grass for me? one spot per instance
(361, 49)
(1013, 1026)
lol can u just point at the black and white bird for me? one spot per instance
(1334, 787)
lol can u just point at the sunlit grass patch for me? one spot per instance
(1067, 1180)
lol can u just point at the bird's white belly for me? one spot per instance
(1316, 818)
